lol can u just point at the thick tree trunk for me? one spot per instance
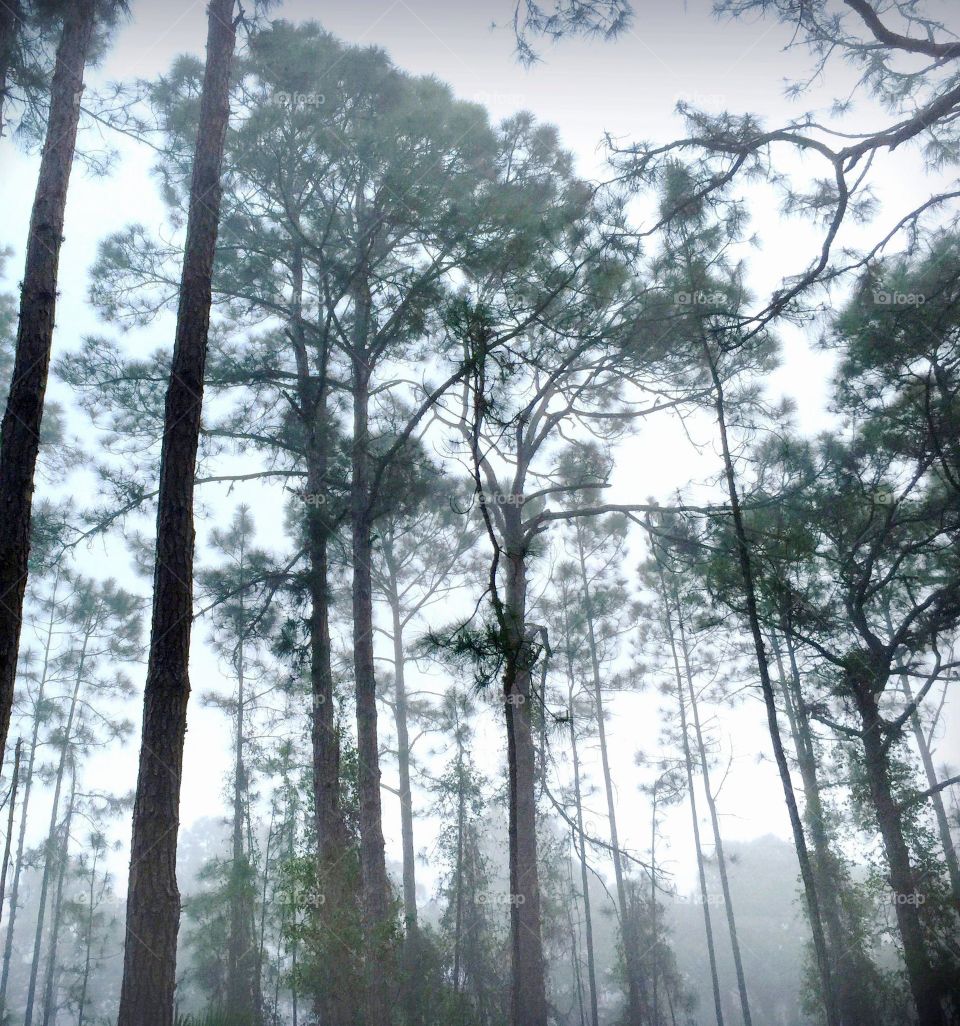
(904, 885)
(627, 931)
(691, 793)
(528, 993)
(10, 14)
(153, 900)
(770, 703)
(20, 432)
(375, 887)
(50, 982)
(714, 821)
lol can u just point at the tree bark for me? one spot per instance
(714, 820)
(153, 902)
(528, 992)
(20, 431)
(375, 887)
(924, 985)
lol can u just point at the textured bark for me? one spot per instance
(20, 432)
(627, 932)
(375, 886)
(153, 902)
(924, 986)
(745, 561)
(9, 31)
(528, 992)
(714, 822)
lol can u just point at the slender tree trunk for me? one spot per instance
(10, 15)
(627, 930)
(856, 1005)
(943, 824)
(714, 819)
(50, 846)
(375, 887)
(584, 879)
(20, 431)
(18, 751)
(904, 885)
(153, 901)
(654, 924)
(770, 703)
(458, 872)
(582, 850)
(688, 765)
(27, 789)
(412, 933)
(49, 987)
(528, 993)
(243, 1002)
(87, 942)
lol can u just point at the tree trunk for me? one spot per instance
(18, 751)
(9, 32)
(375, 887)
(20, 432)
(584, 879)
(87, 942)
(688, 765)
(627, 931)
(50, 846)
(924, 986)
(27, 789)
(49, 987)
(714, 820)
(770, 703)
(153, 902)
(243, 1003)
(943, 824)
(528, 993)
(855, 1003)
